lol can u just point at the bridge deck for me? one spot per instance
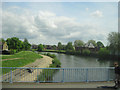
(57, 85)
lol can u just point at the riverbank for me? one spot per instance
(86, 54)
(39, 63)
(24, 74)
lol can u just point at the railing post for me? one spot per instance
(87, 75)
(63, 76)
(108, 74)
(11, 76)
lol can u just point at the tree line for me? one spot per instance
(113, 47)
(16, 45)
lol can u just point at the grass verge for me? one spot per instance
(27, 57)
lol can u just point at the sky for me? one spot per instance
(53, 22)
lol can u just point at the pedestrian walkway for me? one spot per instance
(57, 85)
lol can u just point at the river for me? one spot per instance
(72, 61)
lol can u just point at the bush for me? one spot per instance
(51, 55)
(13, 51)
(103, 52)
(56, 63)
(86, 52)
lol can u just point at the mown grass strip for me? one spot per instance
(27, 58)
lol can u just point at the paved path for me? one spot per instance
(57, 85)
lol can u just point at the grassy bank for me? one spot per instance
(23, 58)
(47, 74)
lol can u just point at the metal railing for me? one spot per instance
(24, 74)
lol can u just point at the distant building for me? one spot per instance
(48, 47)
(89, 45)
(3, 46)
(34, 46)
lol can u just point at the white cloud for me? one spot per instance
(47, 28)
(97, 14)
(87, 9)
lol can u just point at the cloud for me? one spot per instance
(97, 14)
(47, 28)
(87, 9)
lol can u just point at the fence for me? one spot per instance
(24, 74)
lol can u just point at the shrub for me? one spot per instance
(13, 51)
(86, 52)
(103, 52)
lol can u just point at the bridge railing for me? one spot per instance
(25, 74)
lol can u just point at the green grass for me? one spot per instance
(26, 57)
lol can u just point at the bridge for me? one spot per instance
(39, 75)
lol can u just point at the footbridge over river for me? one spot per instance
(27, 74)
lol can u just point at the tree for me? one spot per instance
(100, 44)
(2, 40)
(59, 46)
(54, 47)
(114, 42)
(78, 43)
(13, 43)
(26, 44)
(103, 52)
(69, 46)
(40, 47)
(93, 42)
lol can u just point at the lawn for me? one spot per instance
(25, 57)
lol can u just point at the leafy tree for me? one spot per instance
(100, 44)
(78, 43)
(40, 47)
(54, 47)
(59, 46)
(14, 43)
(93, 42)
(26, 44)
(114, 42)
(86, 52)
(69, 46)
(103, 52)
(2, 40)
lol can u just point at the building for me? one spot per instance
(89, 46)
(4, 48)
(34, 46)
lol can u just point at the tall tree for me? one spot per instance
(14, 43)
(2, 40)
(78, 43)
(59, 46)
(100, 44)
(26, 44)
(114, 42)
(40, 47)
(69, 46)
(93, 42)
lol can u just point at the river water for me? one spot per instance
(72, 61)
